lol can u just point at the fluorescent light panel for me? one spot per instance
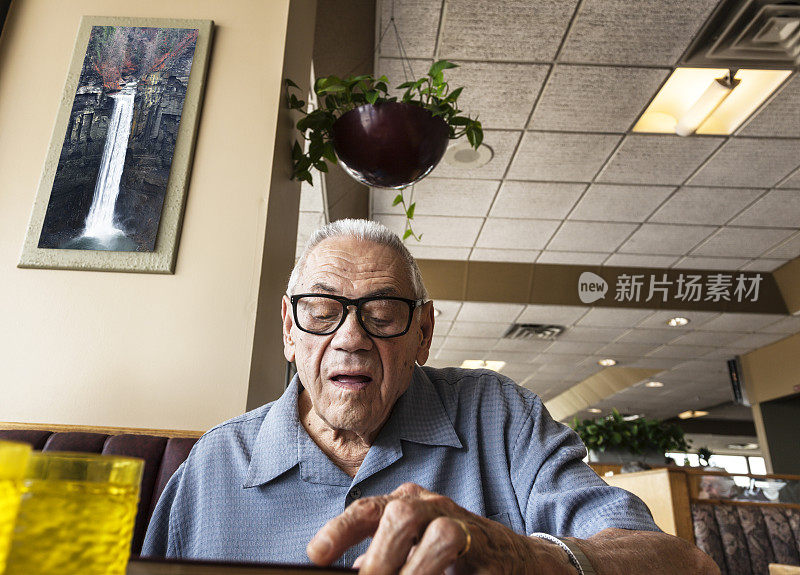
(483, 364)
(686, 86)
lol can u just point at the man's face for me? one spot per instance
(353, 379)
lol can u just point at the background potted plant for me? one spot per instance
(614, 439)
(378, 139)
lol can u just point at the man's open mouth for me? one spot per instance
(351, 380)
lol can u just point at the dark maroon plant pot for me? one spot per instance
(389, 145)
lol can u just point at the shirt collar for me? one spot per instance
(418, 416)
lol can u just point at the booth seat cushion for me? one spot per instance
(35, 437)
(744, 539)
(75, 441)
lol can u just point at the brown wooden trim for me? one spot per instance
(57, 427)
(746, 503)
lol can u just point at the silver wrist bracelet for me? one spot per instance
(576, 556)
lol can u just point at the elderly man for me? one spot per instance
(446, 470)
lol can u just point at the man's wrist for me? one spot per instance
(577, 558)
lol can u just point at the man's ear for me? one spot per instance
(288, 322)
(426, 322)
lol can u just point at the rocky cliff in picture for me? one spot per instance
(119, 143)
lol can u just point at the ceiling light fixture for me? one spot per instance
(462, 155)
(483, 364)
(677, 321)
(748, 446)
(654, 384)
(607, 362)
(692, 413)
(708, 100)
(594, 410)
(437, 312)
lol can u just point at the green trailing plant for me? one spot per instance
(337, 96)
(637, 436)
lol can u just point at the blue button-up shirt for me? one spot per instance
(257, 488)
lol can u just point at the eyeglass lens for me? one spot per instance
(380, 317)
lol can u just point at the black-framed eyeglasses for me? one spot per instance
(380, 316)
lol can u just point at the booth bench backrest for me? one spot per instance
(162, 457)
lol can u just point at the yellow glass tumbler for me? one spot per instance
(13, 460)
(76, 516)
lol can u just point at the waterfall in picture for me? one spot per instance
(100, 221)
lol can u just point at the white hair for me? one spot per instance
(364, 230)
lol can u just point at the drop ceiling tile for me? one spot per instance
(492, 255)
(573, 348)
(571, 258)
(590, 236)
(694, 205)
(750, 162)
(655, 363)
(562, 364)
(788, 249)
(515, 234)
(748, 242)
(440, 329)
(680, 351)
(646, 32)
(516, 373)
(660, 336)
(786, 325)
(604, 202)
(437, 230)
(502, 143)
(478, 329)
(522, 345)
(696, 318)
(779, 117)
(627, 349)
(397, 71)
(417, 25)
(596, 334)
(725, 353)
(481, 344)
(561, 156)
(307, 224)
(777, 209)
(707, 338)
(551, 314)
(665, 239)
(501, 95)
(424, 252)
(757, 340)
(440, 197)
(448, 309)
(740, 322)
(311, 196)
(539, 200)
(515, 357)
(657, 159)
(514, 30)
(454, 357)
(708, 263)
(489, 312)
(639, 261)
(595, 98)
(793, 181)
(763, 265)
(614, 317)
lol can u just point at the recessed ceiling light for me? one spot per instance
(607, 362)
(677, 321)
(594, 410)
(747, 446)
(483, 364)
(692, 413)
(632, 417)
(708, 100)
(462, 155)
(437, 312)
(654, 384)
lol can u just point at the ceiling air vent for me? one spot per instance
(533, 331)
(749, 34)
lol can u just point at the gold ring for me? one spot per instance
(466, 534)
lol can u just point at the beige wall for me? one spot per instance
(171, 351)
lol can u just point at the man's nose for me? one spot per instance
(351, 336)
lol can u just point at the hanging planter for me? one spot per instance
(379, 140)
(389, 145)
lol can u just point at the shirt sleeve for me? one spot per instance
(163, 538)
(560, 494)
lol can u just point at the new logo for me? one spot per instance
(591, 287)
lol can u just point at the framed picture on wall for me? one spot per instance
(113, 189)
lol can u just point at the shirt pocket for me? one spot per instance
(503, 518)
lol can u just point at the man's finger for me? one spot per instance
(400, 528)
(359, 521)
(441, 544)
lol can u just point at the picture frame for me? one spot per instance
(153, 248)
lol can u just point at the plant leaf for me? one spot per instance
(410, 211)
(407, 234)
(292, 84)
(397, 199)
(439, 66)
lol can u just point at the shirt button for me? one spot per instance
(355, 493)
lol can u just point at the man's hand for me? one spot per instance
(416, 531)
